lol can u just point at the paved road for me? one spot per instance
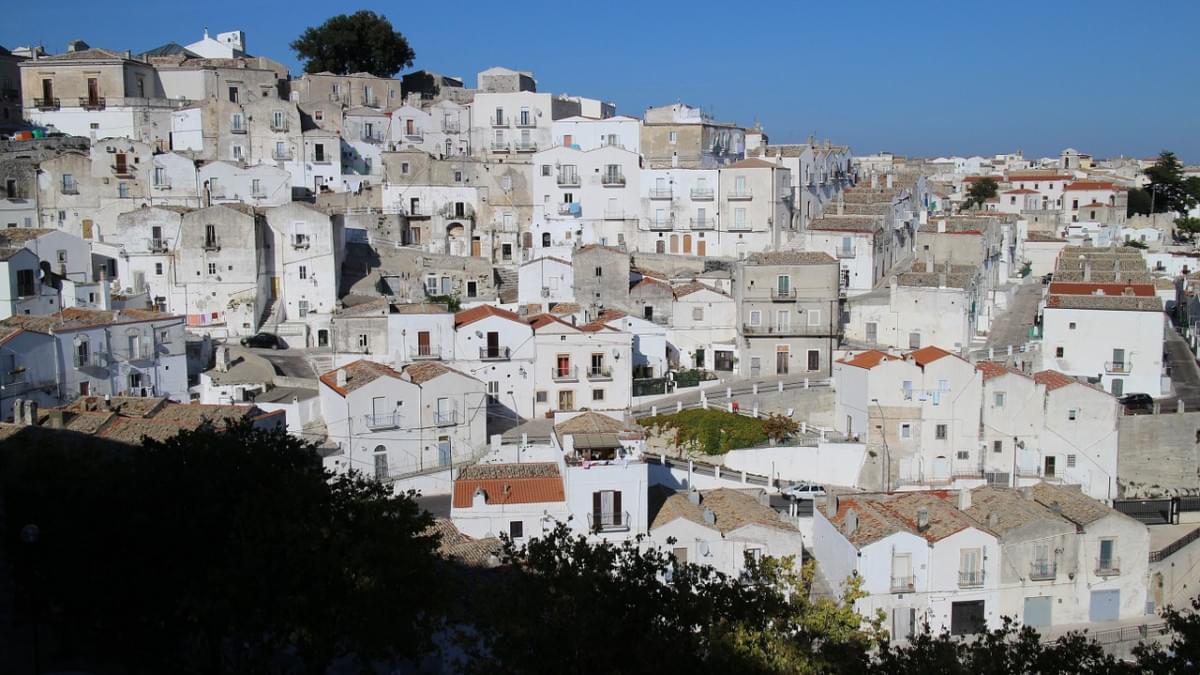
(1185, 374)
(1012, 327)
(438, 505)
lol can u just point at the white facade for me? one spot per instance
(1122, 347)
(704, 319)
(258, 185)
(578, 368)
(585, 133)
(680, 212)
(545, 281)
(591, 193)
(497, 347)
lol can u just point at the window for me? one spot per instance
(907, 386)
(238, 122)
(1072, 414)
(673, 137)
(68, 185)
(940, 432)
(540, 397)
(233, 94)
(212, 268)
(1071, 325)
(680, 554)
(905, 431)
(1058, 352)
(516, 529)
(998, 399)
(755, 317)
(404, 168)
(914, 340)
(362, 340)
(158, 269)
(963, 455)
(25, 284)
(1070, 461)
(381, 463)
(597, 394)
(318, 115)
(238, 153)
(1107, 560)
(303, 271)
(814, 317)
(997, 446)
(599, 271)
(160, 176)
(697, 314)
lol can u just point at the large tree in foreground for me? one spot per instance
(352, 43)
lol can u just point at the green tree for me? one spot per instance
(1137, 202)
(213, 553)
(1182, 654)
(979, 192)
(352, 43)
(1169, 190)
(1187, 226)
(778, 428)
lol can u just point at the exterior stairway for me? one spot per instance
(270, 316)
(506, 283)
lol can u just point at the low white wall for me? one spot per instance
(676, 478)
(435, 483)
(827, 463)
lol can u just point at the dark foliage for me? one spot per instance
(353, 43)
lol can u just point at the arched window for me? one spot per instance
(381, 463)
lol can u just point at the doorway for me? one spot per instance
(1038, 610)
(1048, 468)
(700, 248)
(274, 288)
(966, 617)
(1105, 606)
(782, 355)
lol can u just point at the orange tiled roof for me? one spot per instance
(1053, 379)
(869, 359)
(1089, 185)
(927, 355)
(468, 316)
(358, 374)
(991, 369)
(1026, 177)
(510, 484)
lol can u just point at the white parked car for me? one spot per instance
(798, 491)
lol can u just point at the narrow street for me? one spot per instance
(1185, 374)
(1011, 328)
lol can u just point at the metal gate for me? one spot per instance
(1106, 606)
(1037, 611)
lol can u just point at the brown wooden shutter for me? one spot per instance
(617, 509)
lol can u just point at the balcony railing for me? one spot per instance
(609, 522)
(526, 146)
(237, 129)
(783, 294)
(70, 189)
(970, 578)
(843, 252)
(740, 195)
(122, 171)
(499, 122)
(664, 224)
(903, 584)
(601, 373)
(416, 136)
(702, 194)
(301, 241)
(451, 126)
(156, 245)
(702, 223)
(163, 185)
(494, 353)
(1117, 367)
(452, 211)
(570, 209)
(46, 103)
(739, 227)
(279, 125)
(1108, 567)
(614, 215)
(371, 137)
(383, 421)
(425, 352)
(445, 418)
(660, 193)
(281, 155)
(568, 179)
(91, 360)
(212, 244)
(799, 328)
(567, 374)
(140, 353)
(1043, 570)
(91, 103)
(613, 180)
(499, 146)
(526, 122)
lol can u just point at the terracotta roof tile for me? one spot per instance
(926, 355)
(469, 316)
(358, 373)
(1053, 379)
(1093, 288)
(509, 484)
(1089, 185)
(731, 509)
(868, 359)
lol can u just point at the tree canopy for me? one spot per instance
(1168, 189)
(979, 192)
(352, 43)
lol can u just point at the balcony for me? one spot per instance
(46, 103)
(526, 146)
(783, 294)
(843, 252)
(140, 353)
(1117, 367)
(425, 353)
(156, 245)
(500, 122)
(212, 244)
(702, 223)
(281, 155)
(121, 171)
(371, 137)
(70, 188)
(91, 103)
(970, 579)
(570, 209)
(661, 193)
(93, 360)
(300, 241)
(451, 126)
(613, 180)
(452, 211)
(739, 227)
(445, 418)
(657, 225)
(568, 180)
(702, 194)
(526, 122)
(600, 374)
(384, 421)
(499, 146)
(1108, 567)
(162, 185)
(797, 329)
(237, 129)
(279, 124)
(495, 353)
(609, 522)
(740, 195)
(564, 374)
(1043, 570)
(903, 584)
(414, 136)
(614, 215)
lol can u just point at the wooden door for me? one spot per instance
(687, 243)
(87, 229)
(700, 247)
(122, 164)
(674, 244)
(423, 343)
(93, 91)
(274, 288)
(475, 248)
(568, 140)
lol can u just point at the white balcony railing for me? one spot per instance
(445, 418)
(739, 195)
(425, 352)
(702, 194)
(564, 373)
(970, 578)
(382, 421)
(618, 521)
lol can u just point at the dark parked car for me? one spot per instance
(264, 340)
(1137, 402)
(1048, 278)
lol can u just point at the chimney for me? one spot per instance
(105, 289)
(56, 419)
(19, 411)
(964, 500)
(222, 359)
(108, 401)
(942, 226)
(341, 378)
(922, 519)
(693, 496)
(710, 518)
(851, 523)
(841, 204)
(1087, 270)
(993, 519)
(831, 506)
(891, 181)
(924, 217)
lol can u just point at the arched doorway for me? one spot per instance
(687, 243)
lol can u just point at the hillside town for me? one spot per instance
(968, 383)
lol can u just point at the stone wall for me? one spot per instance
(1158, 454)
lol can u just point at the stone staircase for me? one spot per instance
(506, 283)
(270, 316)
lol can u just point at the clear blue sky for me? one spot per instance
(911, 77)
